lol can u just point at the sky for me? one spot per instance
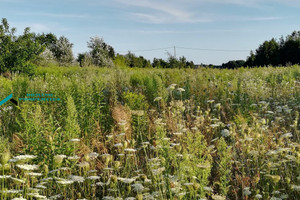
(204, 31)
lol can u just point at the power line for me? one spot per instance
(188, 48)
(225, 50)
(163, 48)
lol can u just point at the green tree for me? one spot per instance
(290, 49)
(62, 51)
(18, 53)
(101, 53)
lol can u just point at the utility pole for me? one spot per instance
(174, 52)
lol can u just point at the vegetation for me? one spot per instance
(135, 133)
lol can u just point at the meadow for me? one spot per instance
(129, 133)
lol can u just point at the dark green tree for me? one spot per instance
(18, 53)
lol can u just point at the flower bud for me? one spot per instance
(4, 157)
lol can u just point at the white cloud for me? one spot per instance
(57, 15)
(159, 12)
(39, 28)
(263, 18)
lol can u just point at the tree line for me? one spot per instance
(22, 53)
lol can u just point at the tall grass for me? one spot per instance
(152, 134)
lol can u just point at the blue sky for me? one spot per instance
(151, 24)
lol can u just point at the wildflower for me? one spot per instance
(58, 196)
(137, 187)
(258, 196)
(58, 159)
(33, 174)
(118, 145)
(126, 180)
(75, 140)
(209, 189)
(218, 106)
(225, 133)
(172, 86)
(203, 166)
(65, 182)
(84, 164)
(129, 150)
(108, 198)
(93, 177)
(158, 99)
(93, 155)
(247, 191)
(10, 191)
(109, 136)
(214, 125)
(296, 188)
(28, 167)
(130, 198)
(17, 180)
(180, 89)
(40, 186)
(137, 112)
(77, 179)
(5, 176)
(73, 158)
(4, 157)
(121, 134)
(217, 197)
(22, 158)
(177, 133)
(287, 135)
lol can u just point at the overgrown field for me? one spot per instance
(152, 134)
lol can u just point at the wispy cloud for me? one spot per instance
(163, 12)
(263, 18)
(39, 28)
(56, 15)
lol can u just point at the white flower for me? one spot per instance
(22, 157)
(28, 167)
(65, 182)
(177, 133)
(172, 86)
(75, 140)
(137, 187)
(5, 176)
(93, 177)
(93, 155)
(33, 174)
(118, 145)
(225, 133)
(121, 134)
(17, 180)
(126, 180)
(287, 135)
(56, 196)
(78, 179)
(73, 158)
(158, 99)
(208, 189)
(129, 150)
(180, 89)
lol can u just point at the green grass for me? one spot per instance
(216, 134)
